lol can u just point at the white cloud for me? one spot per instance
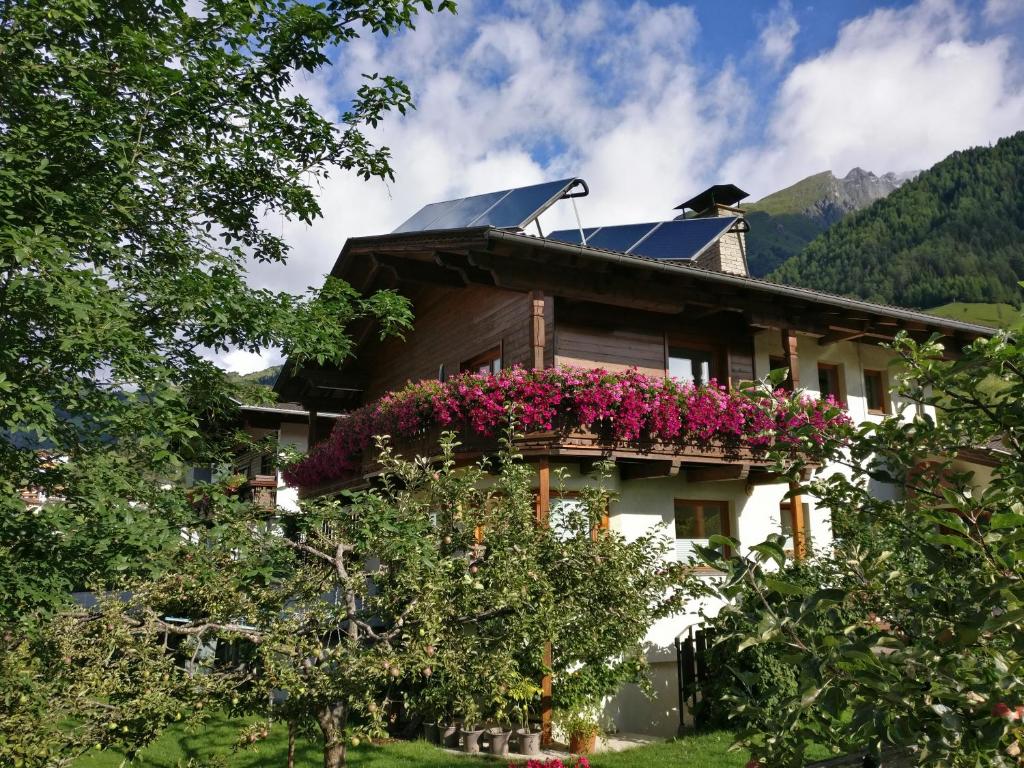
(522, 93)
(776, 39)
(900, 90)
(241, 361)
(997, 11)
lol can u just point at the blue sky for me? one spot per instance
(651, 101)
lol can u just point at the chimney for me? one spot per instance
(729, 252)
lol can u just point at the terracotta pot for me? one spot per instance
(499, 741)
(582, 744)
(449, 735)
(528, 742)
(471, 741)
(431, 733)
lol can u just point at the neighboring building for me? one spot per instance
(289, 425)
(669, 298)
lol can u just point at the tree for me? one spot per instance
(437, 586)
(144, 147)
(911, 638)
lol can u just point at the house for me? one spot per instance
(270, 428)
(667, 298)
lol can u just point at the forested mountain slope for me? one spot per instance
(955, 233)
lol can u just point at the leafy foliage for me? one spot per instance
(914, 640)
(144, 148)
(437, 588)
(954, 233)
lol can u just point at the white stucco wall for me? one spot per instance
(290, 436)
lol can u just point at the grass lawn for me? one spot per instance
(213, 747)
(997, 315)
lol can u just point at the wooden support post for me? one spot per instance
(543, 515)
(789, 350)
(312, 435)
(537, 340)
(796, 509)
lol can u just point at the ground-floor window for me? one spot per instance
(696, 522)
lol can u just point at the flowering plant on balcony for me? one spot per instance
(625, 407)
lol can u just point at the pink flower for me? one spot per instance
(625, 407)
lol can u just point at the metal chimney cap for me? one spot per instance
(719, 194)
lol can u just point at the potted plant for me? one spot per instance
(501, 705)
(581, 726)
(471, 730)
(528, 741)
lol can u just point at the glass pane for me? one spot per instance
(712, 520)
(682, 240)
(690, 366)
(686, 521)
(561, 514)
(828, 381)
(619, 238)
(680, 368)
(522, 205)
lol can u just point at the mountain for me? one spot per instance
(955, 233)
(784, 222)
(266, 377)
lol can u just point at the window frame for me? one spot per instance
(725, 515)
(883, 396)
(775, 362)
(488, 357)
(836, 370)
(716, 354)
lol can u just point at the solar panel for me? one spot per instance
(619, 238)
(679, 240)
(571, 235)
(683, 239)
(506, 209)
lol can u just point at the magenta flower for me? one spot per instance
(625, 408)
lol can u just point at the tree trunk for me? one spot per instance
(291, 743)
(332, 722)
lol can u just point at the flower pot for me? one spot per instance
(582, 743)
(449, 735)
(471, 741)
(431, 733)
(528, 742)
(499, 742)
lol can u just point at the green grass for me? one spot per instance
(213, 745)
(996, 315)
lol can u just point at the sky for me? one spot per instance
(652, 101)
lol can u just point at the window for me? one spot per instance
(691, 365)
(485, 362)
(829, 381)
(786, 520)
(696, 522)
(874, 391)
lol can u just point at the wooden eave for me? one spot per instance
(519, 262)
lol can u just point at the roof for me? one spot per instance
(722, 194)
(405, 240)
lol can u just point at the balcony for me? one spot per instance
(651, 427)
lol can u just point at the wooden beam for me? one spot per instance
(718, 474)
(543, 514)
(796, 509)
(312, 430)
(789, 350)
(648, 469)
(537, 340)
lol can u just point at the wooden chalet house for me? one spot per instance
(489, 290)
